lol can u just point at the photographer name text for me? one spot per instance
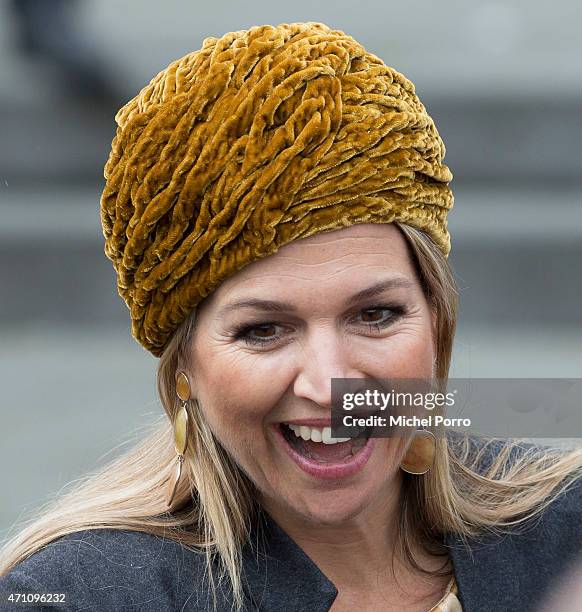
(404, 421)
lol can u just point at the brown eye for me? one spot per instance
(372, 316)
(381, 316)
(263, 330)
(258, 334)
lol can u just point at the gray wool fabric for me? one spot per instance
(109, 570)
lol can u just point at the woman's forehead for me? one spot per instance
(345, 260)
(362, 243)
(359, 240)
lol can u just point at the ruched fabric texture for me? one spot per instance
(261, 137)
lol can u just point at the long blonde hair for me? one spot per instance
(215, 505)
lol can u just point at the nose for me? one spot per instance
(325, 355)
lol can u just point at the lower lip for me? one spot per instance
(328, 471)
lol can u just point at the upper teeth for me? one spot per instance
(316, 434)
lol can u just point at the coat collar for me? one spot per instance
(279, 575)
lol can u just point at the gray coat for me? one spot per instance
(106, 570)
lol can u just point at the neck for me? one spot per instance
(347, 550)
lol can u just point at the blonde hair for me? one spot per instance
(215, 505)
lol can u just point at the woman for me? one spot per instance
(275, 209)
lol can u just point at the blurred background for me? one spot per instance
(502, 81)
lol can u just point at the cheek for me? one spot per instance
(236, 426)
(239, 385)
(235, 399)
(236, 415)
(231, 413)
(407, 354)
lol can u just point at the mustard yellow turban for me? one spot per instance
(261, 137)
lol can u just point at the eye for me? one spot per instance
(264, 336)
(376, 318)
(381, 316)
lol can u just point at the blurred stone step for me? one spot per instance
(69, 143)
(501, 139)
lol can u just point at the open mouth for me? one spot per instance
(316, 443)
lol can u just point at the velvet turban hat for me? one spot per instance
(261, 137)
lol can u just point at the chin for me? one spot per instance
(331, 507)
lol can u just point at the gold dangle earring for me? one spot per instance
(180, 433)
(420, 455)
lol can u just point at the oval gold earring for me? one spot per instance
(180, 434)
(420, 455)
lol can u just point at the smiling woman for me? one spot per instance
(252, 375)
(275, 209)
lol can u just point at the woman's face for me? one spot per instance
(259, 365)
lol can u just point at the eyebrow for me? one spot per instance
(397, 282)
